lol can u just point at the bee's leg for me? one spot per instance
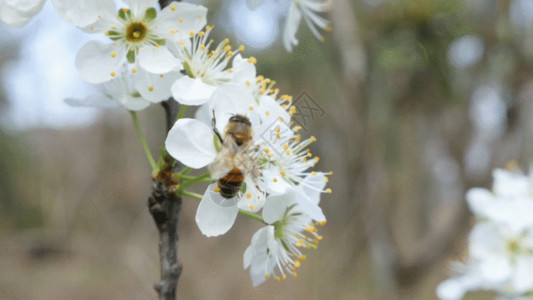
(214, 124)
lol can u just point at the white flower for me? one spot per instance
(117, 92)
(308, 10)
(276, 250)
(192, 142)
(18, 13)
(208, 76)
(510, 201)
(501, 243)
(139, 35)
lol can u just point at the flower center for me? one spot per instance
(136, 32)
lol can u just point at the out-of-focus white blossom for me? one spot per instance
(501, 243)
(309, 11)
(18, 13)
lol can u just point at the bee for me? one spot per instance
(237, 157)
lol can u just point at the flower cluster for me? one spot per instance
(273, 167)
(259, 163)
(501, 243)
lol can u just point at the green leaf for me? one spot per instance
(150, 14)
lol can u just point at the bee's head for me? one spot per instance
(240, 128)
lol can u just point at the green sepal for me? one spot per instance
(160, 42)
(187, 69)
(150, 14)
(216, 142)
(114, 35)
(124, 15)
(131, 56)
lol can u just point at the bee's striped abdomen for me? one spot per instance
(231, 183)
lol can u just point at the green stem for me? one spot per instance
(188, 183)
(251, 215)
(181, 112)
(184, 171)
(192, 195)
(143, 141)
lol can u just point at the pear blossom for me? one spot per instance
(276, 249)
(208, 73)
(501, 243)
(17, 13)
(117, 92)
(309, 10)
(139, 35)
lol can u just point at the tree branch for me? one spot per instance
(164, 206)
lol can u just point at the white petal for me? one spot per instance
(186, 17)
(177, 20)
(510, 183)
(215, 215)
(495, 269)
(243, 71)
(478, 200)
(138, 7)
(522, 279)
(19, 12)
(291, 27)
(96, 100)
(134, 103)
(252, 199)
(452, 289)
(485, 240)
(12, 17)
(276, 206)
(313, 185)
(155, 87)
(82, 13)
(191, 91)
(96, 63)
(157, 60)
(270, 111)
(275, 184)
(191, 142)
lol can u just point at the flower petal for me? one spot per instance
(215, 214)
(95, 100)
(157, 60)
(291, 27)
(155, 87)
(19, 12)
(99, 62)
(276, 206)
(252, 199)
(83, 13)
(139, 6)
(191, 142)
(177, 20)
(191, 91)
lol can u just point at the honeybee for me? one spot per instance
(237, 157)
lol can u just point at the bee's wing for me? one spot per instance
(247, 161)
(222, 164)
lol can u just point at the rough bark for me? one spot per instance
(164, 206)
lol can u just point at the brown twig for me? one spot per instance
(164, 206)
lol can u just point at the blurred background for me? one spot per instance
(420, 100)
